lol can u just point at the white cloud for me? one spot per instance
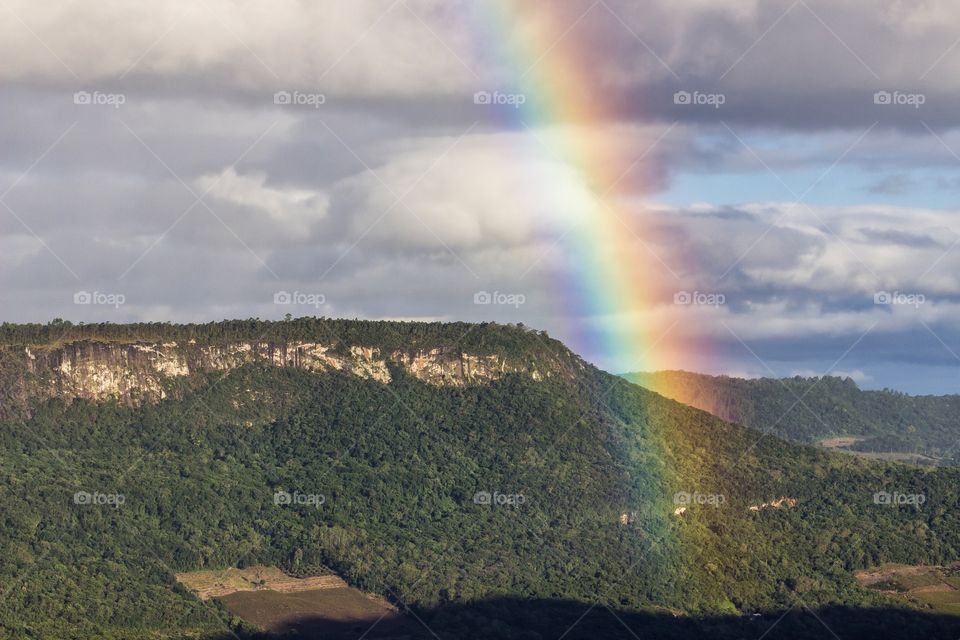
(357, 47)
(480, 191)
(423, 48)
(824, 250)
(293, 210)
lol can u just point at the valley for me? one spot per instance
(830, 411)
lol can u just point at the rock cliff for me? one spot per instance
(143, 371)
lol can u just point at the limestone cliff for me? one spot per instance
(143, 371)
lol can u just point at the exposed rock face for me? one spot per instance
(442, 366)
(774, 504)
(138, 372)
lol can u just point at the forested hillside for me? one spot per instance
(809, 410)
(600, 492)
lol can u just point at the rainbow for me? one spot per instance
(615, 295)
(618, 288)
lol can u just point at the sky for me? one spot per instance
(791, 165)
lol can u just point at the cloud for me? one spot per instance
(294, 210)
(358, 48)
(796, 65)
(496, 199)
(843, 250)
(468, 193)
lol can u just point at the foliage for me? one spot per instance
(812, 409)
(398, 466)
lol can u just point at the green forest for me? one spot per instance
(481, 339)
(811, 409)
(598, 461)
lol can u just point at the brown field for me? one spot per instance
(214, 584)
(905, 575)
(930, 587)
(321, 606)
(323, 613)
(841, 443)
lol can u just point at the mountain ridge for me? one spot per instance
(136, 363)
(400, 466)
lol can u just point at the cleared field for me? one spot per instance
(843, 444)
(214, 584)
(841, 441)
(321, 606)
(941, 601)
(323, 613)
(932, 587)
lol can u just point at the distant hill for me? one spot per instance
(811, 410)
(445, 467)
